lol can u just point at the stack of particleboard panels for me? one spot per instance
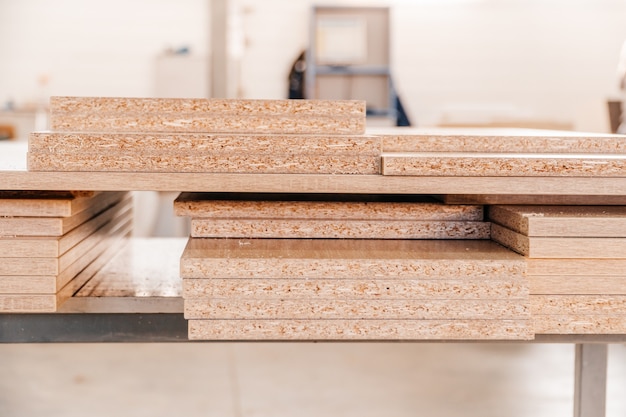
(501, 153)
(378, 268)
(576, 264)
(53, 242)
(205, 135)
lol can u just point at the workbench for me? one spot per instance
(126, 317)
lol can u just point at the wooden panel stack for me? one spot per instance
(205, 135)
(576, 264)
(51, 243)
(367, 275)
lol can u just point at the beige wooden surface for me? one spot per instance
(561, 200)
(579, 324)
(29, 204)
(577, 267)
(612, 305)
(578, 284)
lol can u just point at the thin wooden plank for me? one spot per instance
(318, 309)
(43, 203)
(526, 199)
(579, 324)
(577, 284)
(54, 266)
(562, 221)
(206, 143)
(339, 259)
(46, 247)
(365, 289)
(57, 226)
(321, 206)
(576, 267)
(290, 163)
(359, 330)
(338, 229)
(610, 305)
(500, 140)
(560, 247)
(504, 164)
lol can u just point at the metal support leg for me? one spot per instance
(590, 380)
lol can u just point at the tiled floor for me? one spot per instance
(296, 379)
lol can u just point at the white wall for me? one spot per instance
(540, 59)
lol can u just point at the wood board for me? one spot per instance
(339, 259)
(70, 143)
(360, 330)
(560, 247)
(528, 199)
(317, 309)
(501, 140)
(43, 203)
(290, 163)
(321, 206)
(57, 226)
(579, 324)
(503, 164)
(554, 305)
(576, 267)
(577, 284)
(562, 221)
(338, 229)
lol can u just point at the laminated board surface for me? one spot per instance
(43, 203)
(576, 267)
(97, 114)
(565, 221)
(192, 162)
(528, 199)
(503, 164)
(303, 309)
(577, 284)
(359, 329)
(321, 206)
(338, 229)
(57, 226)
(560, 247)
(345, 258)
(70, 143)
(502, 140)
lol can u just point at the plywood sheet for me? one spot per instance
(304, 309)
(359, 329)
(503, 165)
(338, 229)
(43, 203)
(577, 284)
(500, 140)
(579, 324)
(365, 289)
(291, 163)
(528, 199)
(560, 247)
(321, 206)
(46, 247)
(206, 143)
(98, 114)
(57, 226)
(344, 259)
(565, 221)
(611, 305)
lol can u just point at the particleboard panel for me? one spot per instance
(206, 143)
(562, 221)
(503, 165)
(611, 305)
(579, 324)
(561, 200)
(49, 303)
(42, 204)
(47, 247)
(355, 309)
(57, 226)
(54, 266)
(359, 329)
(338, 259)
(321, 206)
(576, 267)
(503, 140)
(577, 284)
(338, 229)
(365, 289)
(560, 247)
(292, 163)
(98, 114)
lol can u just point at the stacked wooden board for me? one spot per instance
(53, 242)
(363, 275)
(576, 264)
(205, 135)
